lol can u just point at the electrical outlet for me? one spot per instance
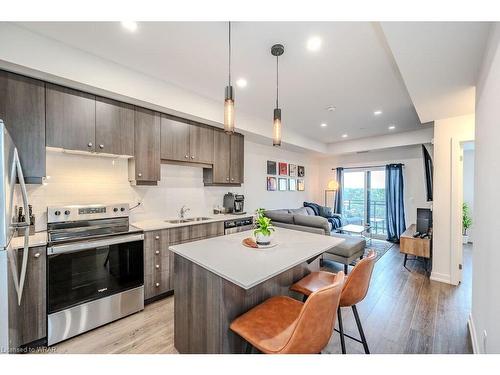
(485, 337)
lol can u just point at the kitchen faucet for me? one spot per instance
(183, 211)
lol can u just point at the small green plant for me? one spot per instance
(263, 224)
(466, 218)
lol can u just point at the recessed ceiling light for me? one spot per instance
(242, 82)
(377, 112)
(344, 135)
(129, 25)
(314, 43)
(331, 108)
(392, 127)
(323, 125)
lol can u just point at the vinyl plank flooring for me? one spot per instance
(403, 312)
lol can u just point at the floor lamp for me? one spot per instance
(332, 187)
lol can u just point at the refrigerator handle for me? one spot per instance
(26, 225)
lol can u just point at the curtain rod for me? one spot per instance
(369, 166)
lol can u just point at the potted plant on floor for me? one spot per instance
(466, 223)
(264, 228)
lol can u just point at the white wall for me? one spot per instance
(448, 186)
(81, 179)
(468, 181)
(485, 275)
(410, 156)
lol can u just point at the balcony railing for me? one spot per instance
(354, 213)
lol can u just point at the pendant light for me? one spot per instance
(229, 97)
(277, 50)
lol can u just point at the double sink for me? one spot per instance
(189, 220)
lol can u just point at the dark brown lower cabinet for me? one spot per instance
(29, 319)
(158, 259)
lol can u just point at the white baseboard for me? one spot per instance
(473, 336)
(441, 277)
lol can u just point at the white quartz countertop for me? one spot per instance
(246, 267)
(37, 239)
(157, 224)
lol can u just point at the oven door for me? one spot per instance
(81, 272)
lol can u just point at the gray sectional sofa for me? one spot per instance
(304, 219)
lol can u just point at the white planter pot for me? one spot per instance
(262, 240)
(465, 239)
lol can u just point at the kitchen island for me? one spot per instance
(218, 279)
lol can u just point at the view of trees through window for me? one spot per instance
(364, 199)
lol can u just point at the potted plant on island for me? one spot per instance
(263, 228)
(466, 223)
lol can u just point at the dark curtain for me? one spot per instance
(395, 207)
(338, 196)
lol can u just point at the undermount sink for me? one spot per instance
(189, 220)
(177, 221)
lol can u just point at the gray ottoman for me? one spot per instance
(350, 249)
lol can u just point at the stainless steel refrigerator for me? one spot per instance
(12, 273)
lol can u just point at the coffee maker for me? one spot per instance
(233, 203)
(239, 200)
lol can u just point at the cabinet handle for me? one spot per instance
(157, 285)
(227, 178)
(89, 144)
(157, 237)
(139, 174)
(157, 252)
(37, 255)
(232, 179)
(192, 157)
(101, 146)
(187, 156)
(157, 266)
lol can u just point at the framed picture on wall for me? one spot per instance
(301, 171)
(292, 170)
(282, 184)
(271, 167)
(271, 184)
(283, 169)
(292, 184)
(300, 184)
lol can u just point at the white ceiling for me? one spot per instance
(439, 62)
(354, 70)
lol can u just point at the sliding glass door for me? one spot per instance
(364, 199)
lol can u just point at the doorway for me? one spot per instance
(363, 194)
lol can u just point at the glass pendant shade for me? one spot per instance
(229, 111)
(277, 127)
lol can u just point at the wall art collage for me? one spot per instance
(285, 177)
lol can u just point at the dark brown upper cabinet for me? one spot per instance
(22, 108)
(114, 127)
(144, 168)
(184, 141)
(70, 117)
(228, 160)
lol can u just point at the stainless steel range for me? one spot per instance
(95, 271)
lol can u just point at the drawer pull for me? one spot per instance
(157, 266)
(139, 174)
(89, 144)
(37, 255)
(157, 285)
(157, 252)
(157, 237)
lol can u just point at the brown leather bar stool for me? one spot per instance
(353, 292)
(282, 325)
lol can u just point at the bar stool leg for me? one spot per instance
(248, 348)
(360, 329)
(341, 331)
(346, 268)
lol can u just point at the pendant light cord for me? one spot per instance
(277, 82)
(229, 53)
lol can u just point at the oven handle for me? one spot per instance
(78, 246)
